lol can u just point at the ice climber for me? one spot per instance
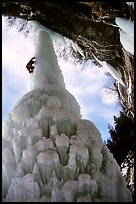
(30, 66)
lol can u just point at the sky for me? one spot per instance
(86, 85)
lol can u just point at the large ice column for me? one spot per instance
(49, 153)
(46, 67)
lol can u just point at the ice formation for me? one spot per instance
(50, 154)
(126, 33)
(77, 48)
(130, 4)
(115, 73)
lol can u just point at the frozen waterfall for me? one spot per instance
(50, 154)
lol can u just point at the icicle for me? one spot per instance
(31, 135)
(46, 162)
(18, 146)
(126, 25)
(77, 152)
(130, 4)
(54, 102)
(44, 145)
(96, 157)
(116, 74)
(29, 158)
(62, 144)
(126, 33)
(77, 48)
(87, 185)
(23, 189)
(33, 123)
(127, 42)
(54, 130)
(8, 169)
(20, 171)
(69, 191)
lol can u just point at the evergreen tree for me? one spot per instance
(121, 144)
(122, 137)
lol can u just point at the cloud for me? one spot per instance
(82, 82)
(88, 84)
(109, 96)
